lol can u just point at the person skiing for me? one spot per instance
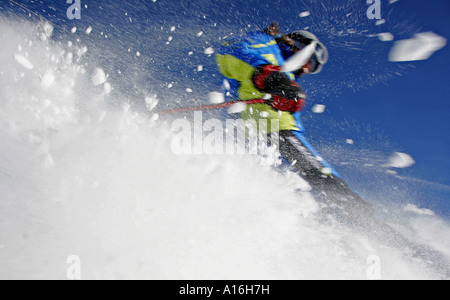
(252, 64)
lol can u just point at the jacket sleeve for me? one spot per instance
(236, 69)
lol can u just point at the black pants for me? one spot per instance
(325, 183)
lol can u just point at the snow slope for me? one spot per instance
(83, 173)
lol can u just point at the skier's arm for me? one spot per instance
(286, 93)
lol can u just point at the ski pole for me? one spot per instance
(208, 107)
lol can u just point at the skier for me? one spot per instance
(252, 65)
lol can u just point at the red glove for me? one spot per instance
(284, 104)
(286, 94)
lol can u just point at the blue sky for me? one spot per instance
(409, 112)
(413, 109)
(383, 106)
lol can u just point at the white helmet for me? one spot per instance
(302, 39)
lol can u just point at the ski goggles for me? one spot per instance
(318, 58)
(300, 39)
(320, 55)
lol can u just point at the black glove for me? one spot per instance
(286, 94)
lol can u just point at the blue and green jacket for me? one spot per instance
(238, 60)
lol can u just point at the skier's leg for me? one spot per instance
(324, 180)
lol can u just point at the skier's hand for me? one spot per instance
(291, 105)
(286, 94)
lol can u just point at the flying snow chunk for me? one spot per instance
(23, 61)
(304, 14)
(386, 36)
(89, 30)
(226, 85)
(318, 108)
(216, 97)
(155, 117)
(47, 31)
(47, 80)
(151, 102)
(380, 22)
(209, 51)
(349, 141)
(420, 211)
(107, 88)
(392, 172)
(98, 76)
(237, 108)
(400, 160)
(420, 47)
